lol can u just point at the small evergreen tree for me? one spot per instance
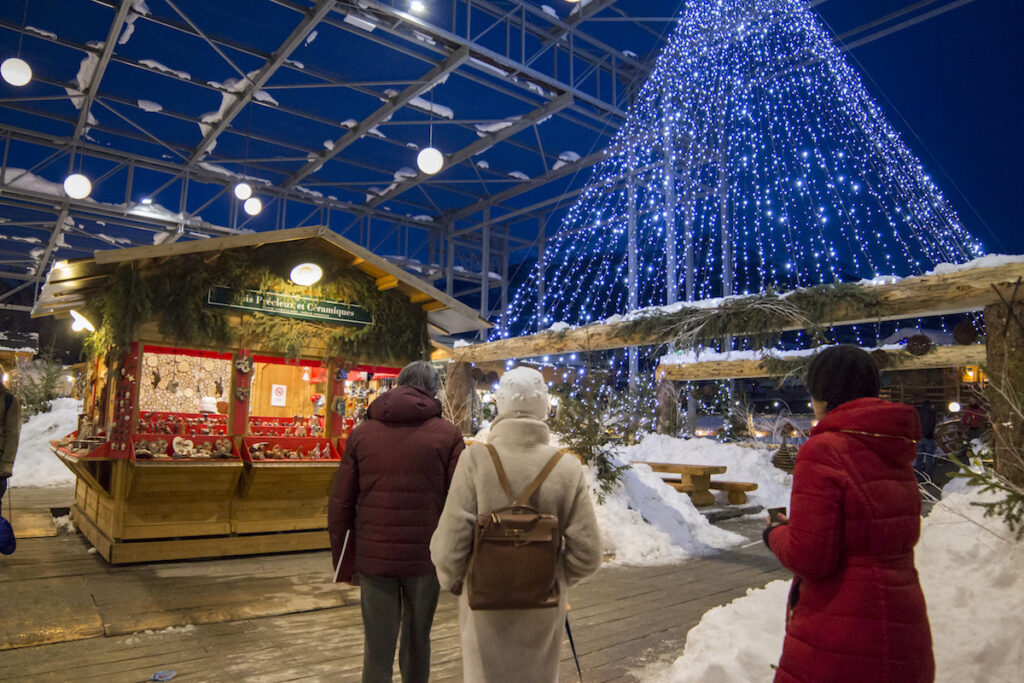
(37, 383)
(586, 425)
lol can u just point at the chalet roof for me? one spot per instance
(71, 284)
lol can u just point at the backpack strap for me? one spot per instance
(534, 485)
(502, 477)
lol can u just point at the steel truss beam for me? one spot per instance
(401, 24)
(312, 18)
(435, 75)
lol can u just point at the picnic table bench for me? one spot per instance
(695, 481)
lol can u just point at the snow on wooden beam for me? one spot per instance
(939, 357)
(960, 291)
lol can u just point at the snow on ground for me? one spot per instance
(744, 463)
(972, 574)
(644, 521)
(35, 464)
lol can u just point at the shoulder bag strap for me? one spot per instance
(502, 478)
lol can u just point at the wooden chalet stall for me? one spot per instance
(220, 392)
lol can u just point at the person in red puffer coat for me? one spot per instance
(856, 609)
(387, 497)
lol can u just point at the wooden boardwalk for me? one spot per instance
(68, 616)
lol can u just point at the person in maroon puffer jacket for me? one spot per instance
(389, 492)
(856, 609)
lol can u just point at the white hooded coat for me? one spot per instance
(515, 645)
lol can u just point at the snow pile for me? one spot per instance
(972, 574)
(311, 37)
(65, 524)
(150, 106)
(519, 175)
(743, 463)
(666, 528)
(35, 464)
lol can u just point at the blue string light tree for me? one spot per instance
(753, 159)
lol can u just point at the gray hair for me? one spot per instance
(420, 373)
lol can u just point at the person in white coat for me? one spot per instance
(515, 645)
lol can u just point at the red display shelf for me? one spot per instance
(100, 451)
(193, 424)
(306, 444)
(169, 438)
(280, 427)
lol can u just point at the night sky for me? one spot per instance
(952, 87)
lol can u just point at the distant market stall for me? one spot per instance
(224, 378)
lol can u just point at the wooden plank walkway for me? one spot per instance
(273, 618)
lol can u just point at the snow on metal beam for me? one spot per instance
(394, 104)
(313, 17)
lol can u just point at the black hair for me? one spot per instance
(842, 373)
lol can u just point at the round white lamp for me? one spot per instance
(77, 186)
(306, 274)
(430, 160)
(252, 206)
(954, 407)
(243, 190)
(16, 71)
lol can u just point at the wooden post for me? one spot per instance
(668, 407)
(458, 396)
(1005, 352)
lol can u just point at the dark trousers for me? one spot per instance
(3, 486)
(393, 605)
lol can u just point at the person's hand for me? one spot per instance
(783, 518)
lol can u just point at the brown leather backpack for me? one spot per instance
(515, 551)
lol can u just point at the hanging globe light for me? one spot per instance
(243, 190)
(252, 206)
(77, 186)
(430, 160)
(16, 71)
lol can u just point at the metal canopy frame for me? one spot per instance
(529, 66)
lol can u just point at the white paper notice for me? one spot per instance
(278, 395)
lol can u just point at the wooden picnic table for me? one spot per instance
(694, 480)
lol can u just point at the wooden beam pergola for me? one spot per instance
(939, 357)
(960, 291)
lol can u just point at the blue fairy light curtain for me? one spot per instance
(753, 159)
